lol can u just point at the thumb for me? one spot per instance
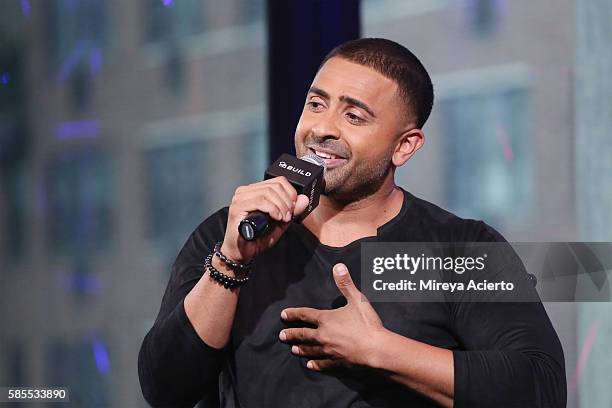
(300, 205)
(345, 284)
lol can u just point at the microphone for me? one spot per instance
(305, 175)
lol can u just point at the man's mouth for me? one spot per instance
(331, 159)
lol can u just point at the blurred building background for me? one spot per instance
(125, 124)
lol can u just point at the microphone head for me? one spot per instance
(314, 159)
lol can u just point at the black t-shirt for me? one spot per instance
(505, 354)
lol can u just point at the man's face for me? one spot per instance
(352, 118)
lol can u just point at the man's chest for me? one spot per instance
(296, 280)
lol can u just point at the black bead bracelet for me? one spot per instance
(229, 282)
(230, 262)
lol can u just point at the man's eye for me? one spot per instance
(354, 118)
(313, 105)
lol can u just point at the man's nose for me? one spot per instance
(326, 128)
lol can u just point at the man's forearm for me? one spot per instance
(211, 308)
(424, 368)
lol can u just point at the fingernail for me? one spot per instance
(295, 349)
(282, 336)
(310, 364)
(340, 269)
(283, 314)
(288, 216)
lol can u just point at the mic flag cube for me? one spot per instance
(303, 174)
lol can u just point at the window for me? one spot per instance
(488, 156)
(83, 366)
(16, 224)
(484, 15)
(14, 148)
(79, 202)
(189, 180)
(175, 184)
(381, 11)
(249, 11)
(15, 360)
(77, 35)
(168, 20)
(77, 30)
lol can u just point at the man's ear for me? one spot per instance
(409, 142)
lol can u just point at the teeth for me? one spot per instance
(325, 155)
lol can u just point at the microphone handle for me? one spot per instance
(255, 225)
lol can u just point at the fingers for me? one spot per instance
(285, 185)
(267, 204)
(282, 187)
(298, 335)
(318, 359)
(320, 365)
(345, 284)
(265, 200)
(276, 197)
(304, 314)
(309, 351)
(300, 201)
(301, 204)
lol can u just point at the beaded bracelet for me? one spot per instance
(230, 262)
(229, 282)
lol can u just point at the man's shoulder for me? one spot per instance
(213, 227)
(442, 225)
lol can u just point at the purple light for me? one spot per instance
(501, 6)
(71, 61)
(502, 137)
(167, 3)
(4, 78)
(84, 283)
(25, 8)
(583, 358)
(83, 129)
(101, 356)
(95, 61)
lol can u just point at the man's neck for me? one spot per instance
(338, 224)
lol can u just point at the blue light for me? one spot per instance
(167, 3)
(72, 61)
(95, 61)
(101, 356)
(80, 283)
(82, 129)
(25, 8)
(5, 78)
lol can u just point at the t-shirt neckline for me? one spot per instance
(381, 231)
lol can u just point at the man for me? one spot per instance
(298, 334)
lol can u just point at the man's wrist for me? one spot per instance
(234, 255)
(222, 267)
(374, 353)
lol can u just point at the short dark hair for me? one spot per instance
(397, 63)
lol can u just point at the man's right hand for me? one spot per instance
(275, 197)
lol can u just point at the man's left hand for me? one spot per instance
(344, 336)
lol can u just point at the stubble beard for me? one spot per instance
(346, 184)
